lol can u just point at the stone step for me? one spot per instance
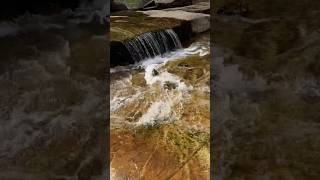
(127, 25)
(199, 22)
(200, 7)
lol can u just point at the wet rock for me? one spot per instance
(192, 70)
(169, 85)
(138, 80)
(175, 144)
(162, 151)
(155, 72)
(127, 26)
(119, 55)
(183, 64)
(137, 23)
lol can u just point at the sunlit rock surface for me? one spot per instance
(160, 120)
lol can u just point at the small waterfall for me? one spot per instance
(152, 44)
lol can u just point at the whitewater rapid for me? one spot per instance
(168, 103)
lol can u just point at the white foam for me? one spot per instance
(158, 112)
(199, 49)
(164, 77)
(159, 61)
(118, 102)
(119, 69)
(166, 108)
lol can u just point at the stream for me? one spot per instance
(159, 108)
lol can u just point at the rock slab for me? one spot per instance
(199, 22)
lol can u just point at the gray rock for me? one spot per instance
(162, 4)
(155, 72)
(131, 4)
(200, 22)
(201, 7)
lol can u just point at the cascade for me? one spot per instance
(147, 45)
(152, 44)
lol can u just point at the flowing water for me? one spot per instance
(160, 108)
(52, 88)
(152, 44)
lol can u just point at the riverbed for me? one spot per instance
(160, 116)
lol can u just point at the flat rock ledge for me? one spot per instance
(199, 22)
(200, 7)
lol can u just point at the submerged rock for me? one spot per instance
(169, 85)
(155, 72)
(138, 80)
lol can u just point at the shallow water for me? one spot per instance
(150, 97)
(121, 80)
